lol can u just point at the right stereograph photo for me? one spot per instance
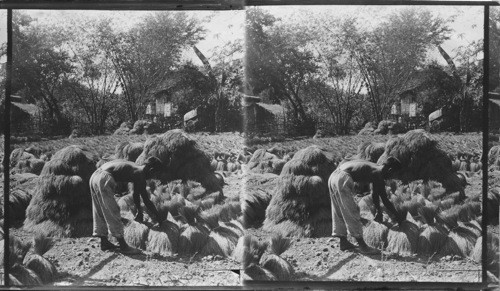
(365, 128)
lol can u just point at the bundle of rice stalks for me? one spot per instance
(18, 202)
(449, 217)
(164, 239)
(469, 211)
(62, 200)
(194, 236)
(44, 268)
(262, 162)
(128, 151)
(493, 206)
(253, 206)
(136, 234)
(256, 272)
(460, 242)
(375, 234)
(492, 252)
(431, 239)
(17, 155)
(473, 226)
(17, 250)
(370, 151)
(175, 204)
(24, 276)
(33, 166)
(279, 267)
(181, 158)
(493, 154)
(403, 238)
(249, 250)
(126, 204)
(367, 207)
(301, 195)
(235, 226)
(422, 158)
(427, 214)
(72, 160)
(221, 241)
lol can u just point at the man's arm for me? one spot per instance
(379, 191)
(140, 188)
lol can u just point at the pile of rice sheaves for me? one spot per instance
(182, 159)
(61, 205)
(422, 158)
(300, 205)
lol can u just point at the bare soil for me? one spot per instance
(80, 262)
(320, 259)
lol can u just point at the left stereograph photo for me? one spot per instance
(126, 132)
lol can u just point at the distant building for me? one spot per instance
(25, 118)
(262, 117)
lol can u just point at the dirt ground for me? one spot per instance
(320, 259)
(80, 262)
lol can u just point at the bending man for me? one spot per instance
(345, 211)
(106, 212)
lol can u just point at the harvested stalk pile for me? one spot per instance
(33, 166)
(164, 240)
(253, 205)
(44, 268)
(300, 205)
(181, 158)
(128, 151)
(263, 161)
(61, 204)
(370, 151)
(375, 234)
(403, 238)
(273, 262)
(422, 158)
(194, 235)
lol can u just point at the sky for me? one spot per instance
(468, 24)
(223, 26)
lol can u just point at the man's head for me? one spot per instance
(152, 166)
(390, 167)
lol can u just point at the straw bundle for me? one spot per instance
(375, 234)
(422, 158)
(128, 151)
(64, 201)
(18, 202)
(136, 234)
(164, 239)
(254, 204)
(262, 162)
(460, 242)
(279, 267)
(403, 238)
(32, 165)
(221, 241)
(370, 151)
(301, 201)
(194, 236)
(256, 272)
(24, 276)
(44, 268)
(17, 155)
(431, 239)
(492, 252)
(181, 158)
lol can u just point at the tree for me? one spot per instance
(40, 67)
(94, 82)
(146, 55)
(390, 54)
(336, 90)
(277, 60)
(494, 63)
